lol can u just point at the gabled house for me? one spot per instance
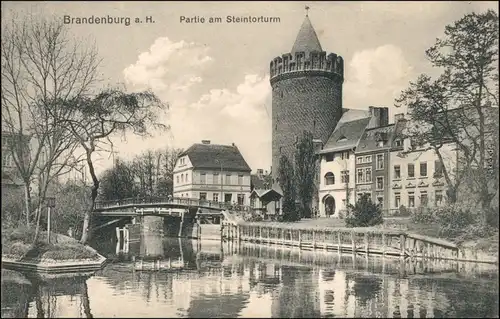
(212, 172)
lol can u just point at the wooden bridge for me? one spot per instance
(162, 206)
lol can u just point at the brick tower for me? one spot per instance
(307, 93)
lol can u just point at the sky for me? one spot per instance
(215, 77)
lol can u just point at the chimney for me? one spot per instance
(206, 142)
(379, 116)
(399, 116)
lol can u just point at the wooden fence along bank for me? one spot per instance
(379, 242)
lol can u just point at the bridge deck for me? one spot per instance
(162, 202)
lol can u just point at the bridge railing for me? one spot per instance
(194, 202)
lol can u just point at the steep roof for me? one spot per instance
(257, 182)
(346, 135)
(398, 133)
(210, 156)
(370, 138)
(307, 40)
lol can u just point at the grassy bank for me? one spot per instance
(487, 245)
(17, 244)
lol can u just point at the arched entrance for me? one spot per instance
(329, 203)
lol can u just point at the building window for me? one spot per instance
(380, 183)
(177, 179)
(398, 143)
(329, 157)
(216, 178)
(240, 179)
(345, 176)
(424, 200)
(329, 178)
(359, 160)
(368, 159)
(397, 172)
(423, 169)
(380, 161)
(438, 197)
(344, 203)
(345, 155)
(380, 143)
(187, 179)
(216, 197)
(241, 199)
(6, 159)
(411, 170)
(203, 196)
(203, 178)
(368, 175)
(438, 169)
(397, 200)
(182, 178)
(380, 201)
(411, 199)
(360, 175)
(228, 179)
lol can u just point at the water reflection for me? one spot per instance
(248, 280)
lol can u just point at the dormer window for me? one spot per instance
(398, 143)
(342, 139)
(380, 143)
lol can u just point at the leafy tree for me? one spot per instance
(461, 105)
(364, 213)
(93, 120)
(286, 181)
(305, 171)
(117, 182)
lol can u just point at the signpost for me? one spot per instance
(51, 203)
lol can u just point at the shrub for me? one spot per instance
(424, 215)
(364, 213)
(454, 219)
(17, 248)
(291, 215)
(403, 211)
(69, 252)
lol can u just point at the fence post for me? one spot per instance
(339, 247)
(314, 239)
(300, 239)
(367, 245)
(402, 242)
(383, 244)
(353, 242)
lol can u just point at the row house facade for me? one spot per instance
(416, 174)
(337, 164)
(212, 172)
(372, 157)
(367, 155)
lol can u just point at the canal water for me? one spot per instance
(189, 278)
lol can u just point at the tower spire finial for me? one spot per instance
(307, 11)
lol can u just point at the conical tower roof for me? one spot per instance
(307, 40)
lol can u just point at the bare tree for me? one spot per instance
(93, 121)
(41, 70)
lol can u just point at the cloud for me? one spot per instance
(224, 116)
(376, 77)
(169, 68)
(239, 115)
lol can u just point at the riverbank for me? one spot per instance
(62, 254)
(483, 248)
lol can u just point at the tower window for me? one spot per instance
(281, 94)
